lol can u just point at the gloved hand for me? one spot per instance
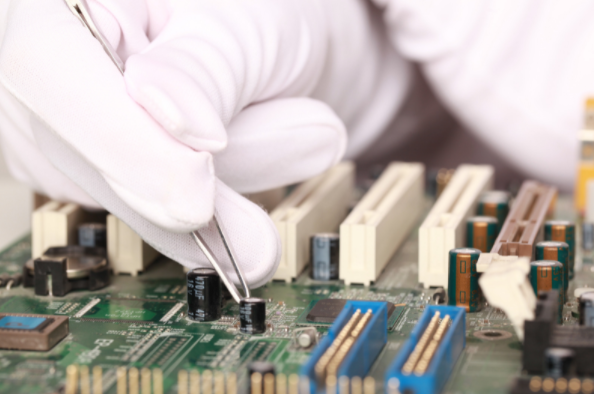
(210, 87)
(516, 73)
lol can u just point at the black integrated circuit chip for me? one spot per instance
(327, 310)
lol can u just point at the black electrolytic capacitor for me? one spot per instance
(325, 251)
(252, 315)
(92, 235)
(559, 362)
(586, 309)
(204, 294)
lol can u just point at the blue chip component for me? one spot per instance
(444, 359)
(21, 322)
(364, 351)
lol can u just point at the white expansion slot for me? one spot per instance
(316, 206)
(55, 224)
(126, 251)
(380, 222)
(445, 226)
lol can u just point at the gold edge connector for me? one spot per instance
(428, 354)
(414, 357)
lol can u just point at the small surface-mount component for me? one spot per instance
(555, 251)
(353, 343)
(252, 315)
(31, 332)
(380, 222)
(70, 268)
(548, 275)
(55, 224)
(305, 338)
(427, 359)
(93, 235)
(204, 294)
(562, 231)
(127, 252)
(444, 227)
(481, 232)
(559, 362)
(317, 205)
(494, 203)
(505, 285)
(586, 309)
(325, 251)
(463, 286)
(523, 227)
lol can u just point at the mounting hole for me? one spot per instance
(492, 335)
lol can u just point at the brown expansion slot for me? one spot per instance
(524, 224)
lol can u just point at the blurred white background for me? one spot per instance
(16, 201)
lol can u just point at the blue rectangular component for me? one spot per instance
(365, 350)
(21, 322)
(443, 362)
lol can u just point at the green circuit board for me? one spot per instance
(141, 322)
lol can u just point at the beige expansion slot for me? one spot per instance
(445, 226)
(55, 224)
(316, 206)
(126, 251)
(380, 222)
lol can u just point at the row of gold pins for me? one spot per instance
(208, 383)
(561, 385)
(280, 384)
(129, 381)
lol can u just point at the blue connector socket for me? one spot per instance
(443, 362)
(365, 350)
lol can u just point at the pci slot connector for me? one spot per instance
(373, 231)
(523, 227)
(427, 359)
(445, 226)
(354, 341)
(316, 206)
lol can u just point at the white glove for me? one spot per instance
(202, 78)
(516, 73)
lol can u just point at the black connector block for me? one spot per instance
(543, 332)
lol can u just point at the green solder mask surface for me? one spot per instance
(127, 327)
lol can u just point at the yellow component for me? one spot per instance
(585, 173)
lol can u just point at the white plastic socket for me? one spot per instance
(445, 226)
(126, 251)
(373, 231)
(316, 206)
(55, 224)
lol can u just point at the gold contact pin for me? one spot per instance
(157, 381)
(145, 381)
(194, 382)
(256, 382)
(269, 383)
(97, 380)
(182, 382)
(71, 379)
(85, 380)
(356, 385)
(336, 361)
(393, 386)
(121, 379)
(416, 354)
(219, 383)
(207, 382)
(369, 385)
(281, 384)
(331, 384)
(231, 383)
(322, 364)
(293, 384)
(423, 363)
(133, 381)
(343, 385)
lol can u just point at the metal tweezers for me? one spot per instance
(80, 9)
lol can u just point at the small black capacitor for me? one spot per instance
(586, 309)
(559, 362)
(252, 315)
(204, 294)
(325, 252)
(92, 235)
